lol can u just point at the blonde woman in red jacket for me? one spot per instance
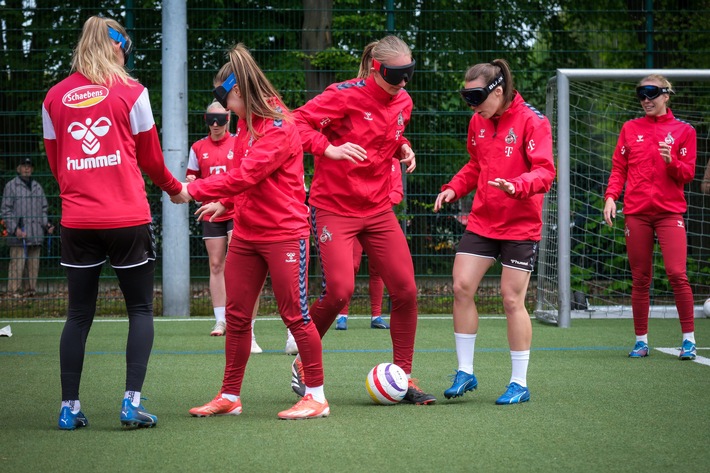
(511, 168)
(266, 190)
(655, 158)
(353, 129)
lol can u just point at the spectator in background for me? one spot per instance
(99, 134)
(654, 159)
(24, 209)
(705, 185)
(210, 155)
(376, 284)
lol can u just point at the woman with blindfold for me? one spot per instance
(654, 159)
(354, 129)
(99, 135)
(510, 168)
(213, 155)
(266, 190)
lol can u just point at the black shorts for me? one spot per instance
(216, 229)
(517, 254)
(125, 247)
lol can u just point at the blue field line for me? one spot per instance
(261, 318)
(338, 351)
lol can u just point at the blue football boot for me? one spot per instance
(640, 350)
(71, 421)
(135, 417)
(463, 382)
(515, 394)
(687, 350)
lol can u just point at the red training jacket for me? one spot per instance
(265, 186)
(517, 146)
(653, 186)
(361, 112)
(209, 157)
(98, 139)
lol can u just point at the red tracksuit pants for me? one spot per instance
(244, 275)
(670, 230)
(382, 239)
(377, 286)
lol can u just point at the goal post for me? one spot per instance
(590, 105)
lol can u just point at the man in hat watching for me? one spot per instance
(24, 210)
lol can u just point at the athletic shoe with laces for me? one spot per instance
(70, 421)
(135, 417)
(463, 382)
(291, 347)
(640, 350)
(416, 396)
(515, 394)
(687, 351)
(255, 348)
(218, 406)
(341, 323)
(219, 328)
(306, 408)
(297, 384)
(377, 322)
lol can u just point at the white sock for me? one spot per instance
(317, 393)
(465, 344)
(134, 396)
(219, 314)
(689, 336)
(642, 338)
(74, 405)
(230, 397)
(253, 337)
(520, 361)
(343, 315)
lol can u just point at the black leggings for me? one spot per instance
(137, 287)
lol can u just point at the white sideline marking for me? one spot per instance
(676, 351)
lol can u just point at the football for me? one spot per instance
(706, 308)
(386, 383)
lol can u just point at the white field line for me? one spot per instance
(676, 351)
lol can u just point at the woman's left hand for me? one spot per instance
(408, 158)
(503, 185)
(214, 208)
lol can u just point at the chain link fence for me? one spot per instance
(303, 46)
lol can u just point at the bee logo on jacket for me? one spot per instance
(368, 116)
(291, 257)
(89, 134)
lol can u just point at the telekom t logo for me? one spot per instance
(88, 133)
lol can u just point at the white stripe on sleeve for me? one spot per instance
(141, 115)
(47, 125)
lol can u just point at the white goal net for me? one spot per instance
(583, 268)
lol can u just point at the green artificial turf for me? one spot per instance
(592, 408)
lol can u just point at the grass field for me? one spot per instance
(592, 408)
